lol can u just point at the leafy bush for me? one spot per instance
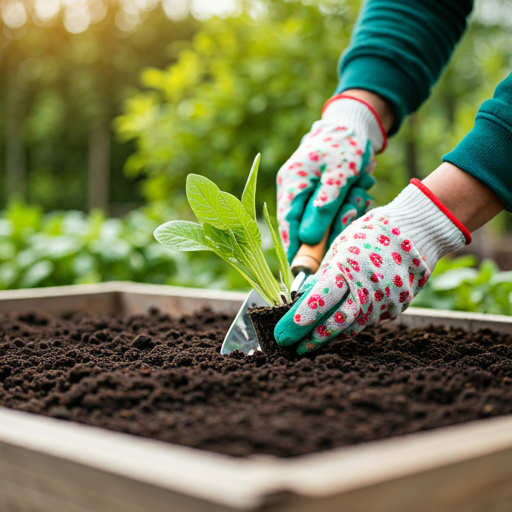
(71, 247)
(457, 284)
(255, 83)
(247, 84)
(63, 248)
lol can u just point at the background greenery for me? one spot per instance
(174, 90)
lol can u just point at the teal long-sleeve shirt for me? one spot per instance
(398, 50)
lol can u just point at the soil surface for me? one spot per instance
(164, 378)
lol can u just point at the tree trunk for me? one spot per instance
(15, 161)
(411, 147)
(449, 97)
(99, 167)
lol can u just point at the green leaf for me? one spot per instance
(182, 235)
(202, 196)
(502, 277)
(229, 229)
(453, 278)
(224, 244)
(247, 235)
(488, 268)
(249, 193)
(234, 216)
(281, 254)
(37, 273)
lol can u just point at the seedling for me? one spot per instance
(228, 227)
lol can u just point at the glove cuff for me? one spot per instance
(433, 229)
(359, 115)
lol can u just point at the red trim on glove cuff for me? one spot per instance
(416, 182)
(372, 110)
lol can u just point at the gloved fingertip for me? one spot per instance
(283, 332)
(310, 236)
(307, 346)
(366, 181)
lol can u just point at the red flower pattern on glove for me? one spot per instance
(323, 184)
(370, 274)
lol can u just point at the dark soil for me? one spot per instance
(164, 378)
(264, 319)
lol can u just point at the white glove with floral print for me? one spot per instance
(373, 270)
(323, 184)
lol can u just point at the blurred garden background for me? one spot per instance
(107, 105)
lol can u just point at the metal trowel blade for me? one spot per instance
(241, 335)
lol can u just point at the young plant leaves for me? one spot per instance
(224, 244)
(249, 193)
(202, 197)
(182, 235)
(284, 267)
(235, 216)
(228, 227)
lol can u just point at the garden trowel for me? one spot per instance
(241, 335)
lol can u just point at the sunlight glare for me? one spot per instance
(126, 21)
(98, 10)
(14, 14)
(46, 9)
(175, 9)
(204, 9)
(77, 19)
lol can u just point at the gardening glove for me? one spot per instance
(373, 269)
(324, 182)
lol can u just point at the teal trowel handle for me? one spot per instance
(309, 257)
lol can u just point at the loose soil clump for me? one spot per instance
(264, 320)
(164, 378)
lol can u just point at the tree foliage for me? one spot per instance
(255, 84)
(58, 86)
(247, 85)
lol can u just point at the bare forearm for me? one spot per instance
(473, 203)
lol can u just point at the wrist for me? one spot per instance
(425, 220)
(472, 202)
(357, 115)
(382, 107)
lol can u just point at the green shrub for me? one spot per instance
(71, 247)
(457, 284)
(246, 85)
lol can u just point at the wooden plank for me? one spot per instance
(129, 298)
(207, 477)
(483, 484)
(138, 298)
(423, 317)
(367, 464)
(33, 481)
(35, 452)
(97, 298)
(119, 298)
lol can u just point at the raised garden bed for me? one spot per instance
(141, 378)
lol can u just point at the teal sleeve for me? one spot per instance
(486, 151)
(398, 49)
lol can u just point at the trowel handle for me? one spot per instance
(309, 257)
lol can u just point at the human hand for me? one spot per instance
(373, 270)
(323, 184)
